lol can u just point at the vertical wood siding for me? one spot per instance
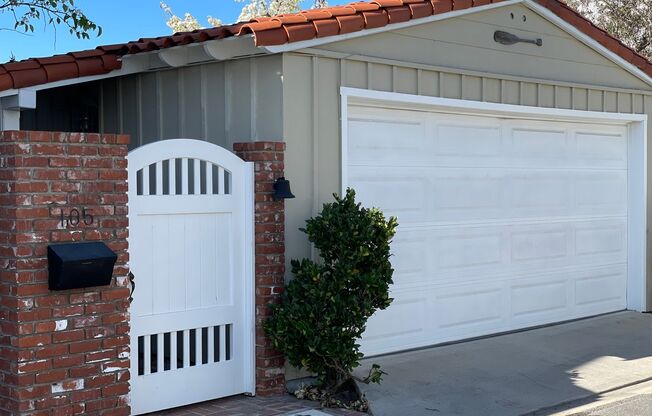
(225, 102)
(312, 116)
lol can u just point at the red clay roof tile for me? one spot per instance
(374, 19)
(111, 62)
(86, 54)
(462, 4)
(326, 27)
(420, 10)
(259, 27)
(28, 77)
(304, 31)
(278, 30)
(57, 59)
(442, 6)
(388, 3)
(348, 24)
(117, 49)
(58, 72)
(316, 14)
(361, 6)
(399, 14)
(291, 19)
(6, 82)
(272, 37)
(22, 65)
(91, 66)
(342, 11)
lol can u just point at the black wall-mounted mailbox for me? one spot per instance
(78, 265)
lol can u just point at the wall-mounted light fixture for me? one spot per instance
(282, 189)
(506, 38)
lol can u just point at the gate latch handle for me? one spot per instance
(133, 286)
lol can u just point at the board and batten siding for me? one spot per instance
(312, 115)
(224, 102)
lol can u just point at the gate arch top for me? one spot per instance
(182, 167)
(183, 148)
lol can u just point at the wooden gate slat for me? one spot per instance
(146, 180)
(184, 176)
(172, 172)
(159, 177)
(160, 356)
(147, 355)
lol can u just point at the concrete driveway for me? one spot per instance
(531, 372)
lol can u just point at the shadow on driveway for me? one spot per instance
(516, 374)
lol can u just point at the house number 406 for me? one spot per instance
(75, 216)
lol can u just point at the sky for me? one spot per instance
(121, 21)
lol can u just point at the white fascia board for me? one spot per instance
(24, 98)
(290, 47)
(451, 105)
(587, 40)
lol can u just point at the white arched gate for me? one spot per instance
(191, 254)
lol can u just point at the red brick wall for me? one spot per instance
(65, 352)
(269, 254)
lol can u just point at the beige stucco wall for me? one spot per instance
(454, 58)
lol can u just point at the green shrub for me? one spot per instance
(326, 306)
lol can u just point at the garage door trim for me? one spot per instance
(637, 160)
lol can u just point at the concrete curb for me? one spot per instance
(589, 401)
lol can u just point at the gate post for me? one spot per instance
(62, 352)
(268, 158)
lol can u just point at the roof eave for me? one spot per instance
(588, 40)
(295, 46)
(531, 4)
(177, 56)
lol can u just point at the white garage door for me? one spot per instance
(504, 223)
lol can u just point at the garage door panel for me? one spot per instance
(464, 249)
(428, 140)
(602, 149)
(461, 194)
(537, 245)
(451, 306)
(540, 194)
(464, 140)
(601, 289)
(410, 252)
(414, 304)
(539, 300)
(602, 240)
(406, 196)
(453, 311)
(375, 136)
(430, 254)
(444, 194)
(503, 223)
(532, 144)
(601, 193)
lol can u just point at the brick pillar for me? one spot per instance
(269, 254)
(62, 352)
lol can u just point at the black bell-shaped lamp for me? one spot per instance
(282, 189)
